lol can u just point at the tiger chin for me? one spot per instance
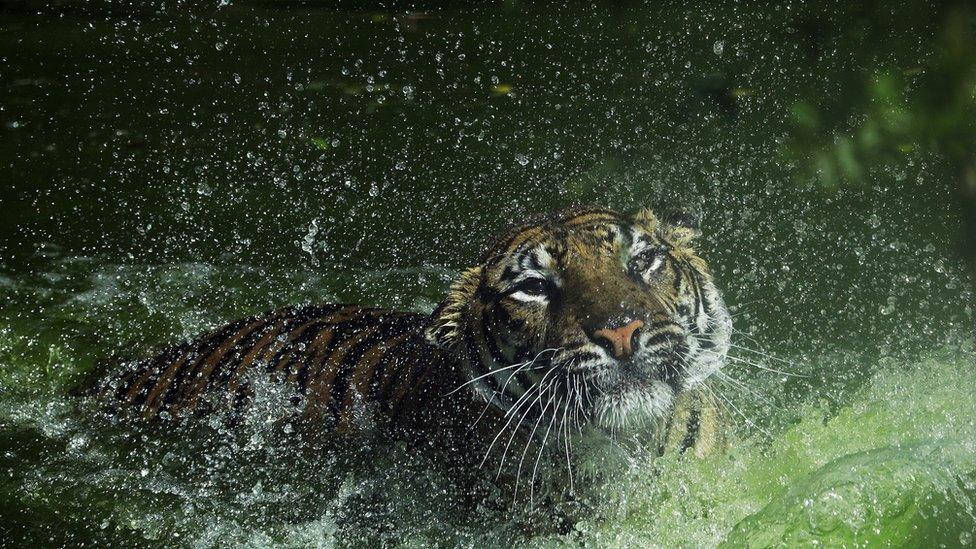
(579, 323)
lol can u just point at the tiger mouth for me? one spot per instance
(634, 403)
(639, 389)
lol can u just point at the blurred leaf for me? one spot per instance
(806, 115)
(847, 159)
(501, 89)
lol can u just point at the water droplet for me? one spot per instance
(309, 239)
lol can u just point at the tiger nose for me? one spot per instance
(619, 340)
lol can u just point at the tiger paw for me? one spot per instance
(699, 424)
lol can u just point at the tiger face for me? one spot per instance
(606, 317)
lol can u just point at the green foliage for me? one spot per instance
(893, 111)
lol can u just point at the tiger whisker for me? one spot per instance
(578, 385)
(483, 411)
(502, 393)
(585, 394)
(510, 414)
(743, 360)
(716, 396)
(736, 409)
(531, 437)
(746, 304)
(542, 448)
(540, 388)
(728, 401)
(747, 362)
(723, 376)
(764, 355)
(537, 387)
(747, 335)
(511, 377)
(502, 369)
(566, 440)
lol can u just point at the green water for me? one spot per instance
(171, 167)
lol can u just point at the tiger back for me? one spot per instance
(335, 360)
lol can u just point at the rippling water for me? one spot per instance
(174, 169)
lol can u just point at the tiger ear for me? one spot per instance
(687, 219)
(647, 218)
(446, 328)
(683, 236)
(681, 225)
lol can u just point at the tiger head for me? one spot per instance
(615, 315)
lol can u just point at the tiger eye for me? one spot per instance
(533, 286)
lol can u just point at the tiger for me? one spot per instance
(586, 317)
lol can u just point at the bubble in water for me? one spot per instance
(718, 47)
(522, 159)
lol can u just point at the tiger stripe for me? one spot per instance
(176, 390)
(321, 385)
(200, 377)
(362, 378)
